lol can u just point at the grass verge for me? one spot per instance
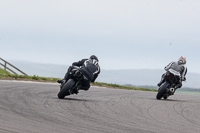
(121, 86)
(8, 76)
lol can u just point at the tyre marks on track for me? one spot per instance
(95, 111)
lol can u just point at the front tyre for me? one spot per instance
(162, 90)
(66, 88)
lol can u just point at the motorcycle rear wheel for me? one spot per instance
(66, 88)
(162, 90)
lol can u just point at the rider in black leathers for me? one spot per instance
(90, 68)
(179, 67)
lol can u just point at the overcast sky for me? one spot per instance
(124, 34)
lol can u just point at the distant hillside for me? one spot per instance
(143, 77)
(140, 77)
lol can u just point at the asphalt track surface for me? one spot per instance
(27, 107)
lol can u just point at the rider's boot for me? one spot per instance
(64, 79)
(60, 81)
(160, 83)
(162, 80)
(66, 76)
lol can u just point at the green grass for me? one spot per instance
(121, 86)
(3, 73)
(6, 75)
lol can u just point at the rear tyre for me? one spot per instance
(162, 90)
(66, 88)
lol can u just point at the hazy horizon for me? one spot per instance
(136, 77)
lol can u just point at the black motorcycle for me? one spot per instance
(167, 88)
(71, 86)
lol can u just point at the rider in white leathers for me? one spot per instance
(177, 67)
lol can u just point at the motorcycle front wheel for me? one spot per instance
(66, 88)
(162, 90)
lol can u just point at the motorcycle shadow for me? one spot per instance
(172, 100)
(76, 99)
(167, 100)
